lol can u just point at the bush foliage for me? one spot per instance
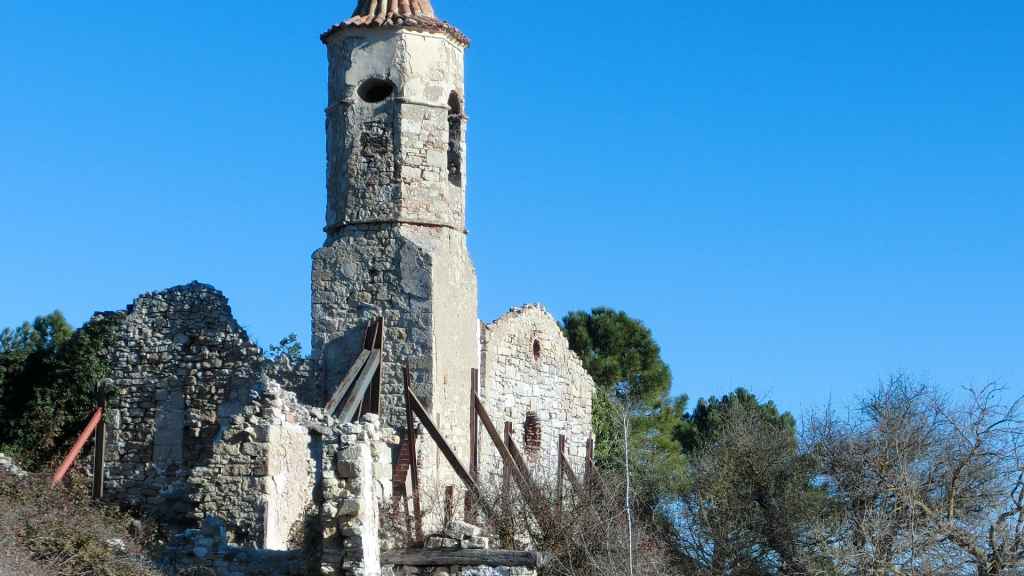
(48, 379)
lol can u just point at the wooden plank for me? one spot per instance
(474, 442)
(355, 397)
(511, 467)
(559, 489)
(410, 424)
(97, 417)
(371, 401)
(485, 418)
(378, 382)
(589, 472)
(474, 426)
(98, 456)
(517, 457)
(569, 473)
(442, 444)
(346, 382)
(370, 334)
(492, 558)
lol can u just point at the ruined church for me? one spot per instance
(249, 456)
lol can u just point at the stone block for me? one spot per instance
(346, 470)
(460, 529)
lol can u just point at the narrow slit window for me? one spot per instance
(455, 118)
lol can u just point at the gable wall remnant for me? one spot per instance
(532, 379)
(188, 428)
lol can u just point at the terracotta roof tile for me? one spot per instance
(413, 14)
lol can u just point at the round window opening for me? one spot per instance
(536, 350)
(376, 90)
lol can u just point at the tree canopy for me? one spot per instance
(48, 377)
(620, 354)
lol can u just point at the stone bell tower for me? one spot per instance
(396, 213)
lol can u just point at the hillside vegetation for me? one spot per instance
(910, 481)
(61, 532)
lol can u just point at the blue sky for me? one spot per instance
(797, 197)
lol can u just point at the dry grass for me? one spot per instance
(61, 532)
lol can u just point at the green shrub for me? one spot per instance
(48, 380)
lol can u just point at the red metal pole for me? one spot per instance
(77, 448)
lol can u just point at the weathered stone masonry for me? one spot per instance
(531, 375)
(208, 434)
(396, 241)
(189, 434)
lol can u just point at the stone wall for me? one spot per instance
(366, 272)
(531, 378)
(192, 415)
(356, 494)
(261, 478)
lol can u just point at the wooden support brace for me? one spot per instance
(97, 417)
(355, 397)
(410, 423)
(589, 472)
(414, 406)
(567, 469)
(511, 468)
(346, 382)
(474, 443)
(99, 449)
(371, 401)
(517, 457)
(559, 489)
(442, 444)
(493, 558)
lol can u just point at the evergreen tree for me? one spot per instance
(632, 381)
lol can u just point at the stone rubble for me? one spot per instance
(206, 550)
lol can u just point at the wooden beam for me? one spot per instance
(588, 474)
(355, 397)
(567, 469)
(509, 471)
(492, 558)
(474, 426)
(474, 442)
(517, 457)
(371, 401)
(346, 382)
(380, 370)
(410, 424)
(559, 489)
(512, 468)
(370, 334)
(485, 418)
(99, 450)
(449, 454)
(97, 417)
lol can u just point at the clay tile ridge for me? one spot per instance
(412, 14)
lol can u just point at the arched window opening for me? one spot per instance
(376, 90)
(455, 139)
